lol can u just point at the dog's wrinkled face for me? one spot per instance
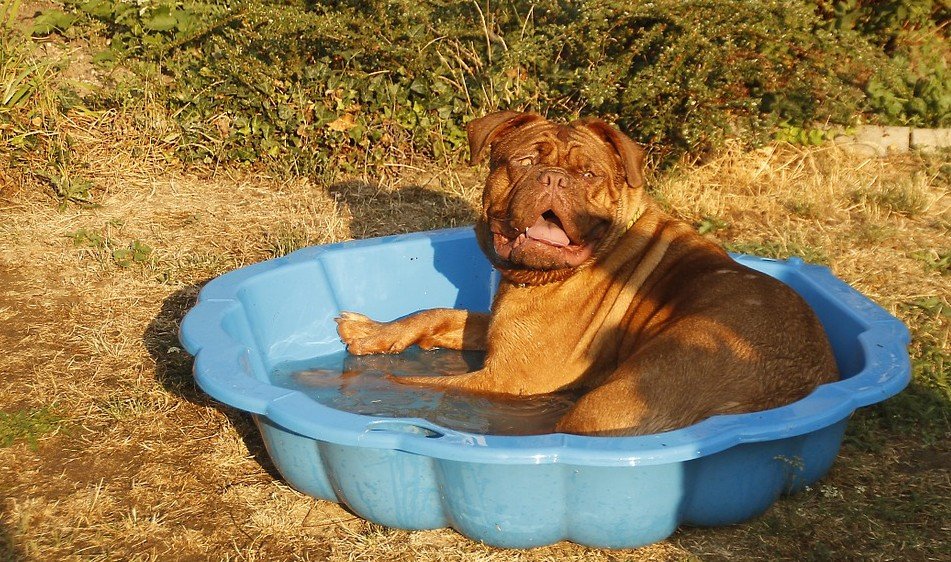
(554, 191)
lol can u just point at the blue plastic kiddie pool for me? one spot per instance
(513, 491)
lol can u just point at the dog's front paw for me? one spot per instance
(364, 336)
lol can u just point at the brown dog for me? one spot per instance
(604, 293)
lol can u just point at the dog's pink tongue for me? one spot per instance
(547, 231)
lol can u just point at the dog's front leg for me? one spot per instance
(438, 327)
(476, 381)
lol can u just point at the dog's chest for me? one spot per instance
(560, 330)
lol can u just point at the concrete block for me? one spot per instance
(872, 140)
(893, 139)
(930, 139)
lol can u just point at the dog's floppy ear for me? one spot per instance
(631, 153)
(484, 130)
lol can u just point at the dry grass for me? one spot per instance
(145, 467)
(865, 217)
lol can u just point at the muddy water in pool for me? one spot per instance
(359, 385)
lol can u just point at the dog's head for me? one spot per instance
(557, 195)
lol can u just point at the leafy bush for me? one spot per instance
(914, 87)
(335, 85)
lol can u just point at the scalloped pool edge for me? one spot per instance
(533, 490)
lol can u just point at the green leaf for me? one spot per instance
(160, 22)
(107, 55)
(153, 41)
(52, 20)
(140, 251)
(97, 8)
(84, 237)
(185, 20)
(122, 257)
(419, 87)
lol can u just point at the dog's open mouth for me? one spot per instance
(548, 229)
(545, 244)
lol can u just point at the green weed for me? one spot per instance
(23, 75)
(710, 225)
(17, 71)
(27, 425)
(900, 198)
(87, 238)
(935, 260)
(803, 135)
(872, 233)
(33, 108)
(106, 248)
(930, 355)
(68, 188)
(137, 252)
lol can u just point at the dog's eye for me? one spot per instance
(526, 161)
(587, 175)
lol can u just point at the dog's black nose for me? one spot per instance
(553, 179)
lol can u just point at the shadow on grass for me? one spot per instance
(173, 370)
(380, 212)
(8, 550)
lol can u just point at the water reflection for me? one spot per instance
(358, 385)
